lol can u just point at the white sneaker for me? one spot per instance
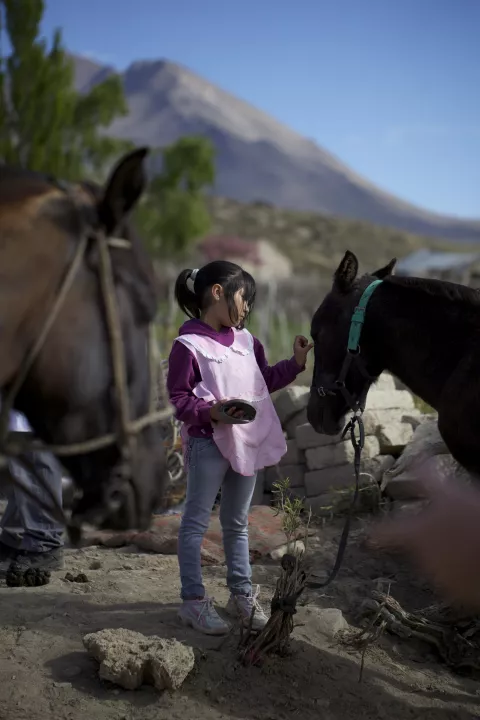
(202, 616)
(241, 606)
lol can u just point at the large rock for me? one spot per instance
(425, 455)
(291, 401)
(130, 659)
(322, 481)
(425, 443)
(327, 621)
(376, 467)
(374, 419)
(394, 437)
(339, 454)
(318, 482)
(408, 484)
(294, 473)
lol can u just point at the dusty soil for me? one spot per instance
(46, 673)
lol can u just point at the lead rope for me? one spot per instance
(358, 444)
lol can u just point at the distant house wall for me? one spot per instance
(260, 258)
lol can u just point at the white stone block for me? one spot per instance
(339, 454)
(307, 437)
(318, 482)
(385, 382)
(293, 456)
(373, 419)
(291, 425)
(291, 401)
(294, 473)
(386, 400)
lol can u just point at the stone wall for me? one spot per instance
(318, 466)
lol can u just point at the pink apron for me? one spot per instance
(233, 373)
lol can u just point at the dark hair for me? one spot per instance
(231, 277)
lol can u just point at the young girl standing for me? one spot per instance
(216, 359)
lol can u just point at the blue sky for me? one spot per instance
(391, 87)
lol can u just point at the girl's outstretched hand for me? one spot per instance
(301, 348)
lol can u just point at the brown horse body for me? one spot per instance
(69, 394)
(425, 332)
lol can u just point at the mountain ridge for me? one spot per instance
(258, 157)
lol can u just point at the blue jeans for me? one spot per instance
(208, 471)
(25, 525)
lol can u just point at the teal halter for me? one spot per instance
(358, 318)
(356, 403)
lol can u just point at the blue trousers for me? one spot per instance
(208, 471)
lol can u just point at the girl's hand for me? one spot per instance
(301, 348)
(217, 415)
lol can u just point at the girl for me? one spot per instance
(215, 359)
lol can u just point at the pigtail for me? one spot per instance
(186, 296)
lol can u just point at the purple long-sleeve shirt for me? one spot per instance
(184, 375)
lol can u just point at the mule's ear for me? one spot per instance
(346, 273)
(123, 189)
(387, 270)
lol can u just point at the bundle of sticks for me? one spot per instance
(275, 636)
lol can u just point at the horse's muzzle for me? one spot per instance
(320, 416)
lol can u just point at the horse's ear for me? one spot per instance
(123, 189)
(346, 273)
(387, 270)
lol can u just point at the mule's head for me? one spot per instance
(70, 395)
(327, 405)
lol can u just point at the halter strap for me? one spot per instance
(358, 317)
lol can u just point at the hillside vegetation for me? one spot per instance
(316, 243)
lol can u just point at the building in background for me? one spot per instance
(458, 267)
(258, 257)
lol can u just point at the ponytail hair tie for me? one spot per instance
(191, 281)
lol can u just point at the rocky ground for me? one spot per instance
(45, 671)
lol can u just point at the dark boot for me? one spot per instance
(7, 556)
(48, 560)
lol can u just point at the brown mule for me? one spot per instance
(77, 298)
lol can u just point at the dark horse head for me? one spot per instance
(69, 394)
(341, 380)
(425, 332)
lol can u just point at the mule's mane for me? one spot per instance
(451, 292)
(18, 185)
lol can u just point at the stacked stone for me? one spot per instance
(319, 466)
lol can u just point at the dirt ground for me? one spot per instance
(46, 673)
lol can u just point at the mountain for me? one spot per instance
(258, 158)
